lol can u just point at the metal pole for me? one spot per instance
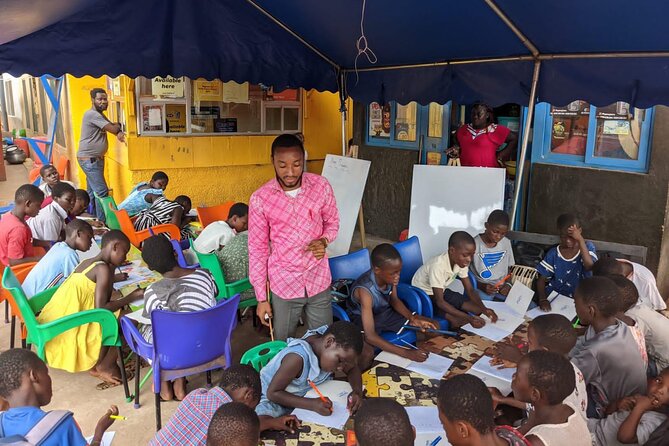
(344, 144)
(523, 149)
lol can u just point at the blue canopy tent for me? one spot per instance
(601, 51)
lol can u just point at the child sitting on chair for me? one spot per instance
(16, 241)
(217, 234)
(494, 258)
(375, 307)
(50, 177)
(49, 224)
(439, 272)
(565, 265)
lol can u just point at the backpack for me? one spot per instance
(39, 432)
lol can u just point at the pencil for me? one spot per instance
(430, 330)
(118, 417)
(501, 282)
(318, 392)
(408, 344)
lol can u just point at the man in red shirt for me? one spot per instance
(297, 213)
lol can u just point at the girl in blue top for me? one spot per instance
(144, 193)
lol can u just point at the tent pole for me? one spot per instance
(523, 149)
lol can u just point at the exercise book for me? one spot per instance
(507, 322)
(559, 305)
(493, 376)
(434, 367)
(336, 420)
(425, 419)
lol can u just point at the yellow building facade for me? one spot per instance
(210, 169)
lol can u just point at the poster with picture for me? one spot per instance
(152, 118)
(376, 126)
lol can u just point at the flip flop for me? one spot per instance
(104, 385)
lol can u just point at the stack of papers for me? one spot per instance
(425, 419)
(434, 367)
(507, 322)
(492, 376)
(559, 305)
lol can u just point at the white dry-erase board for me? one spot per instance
(446, 199)
(348, 177)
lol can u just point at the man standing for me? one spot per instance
(93, 146)
(297, 213)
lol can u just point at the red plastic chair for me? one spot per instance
(214, 213)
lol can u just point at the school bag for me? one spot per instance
(39, 432)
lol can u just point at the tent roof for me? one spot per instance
(305, 43)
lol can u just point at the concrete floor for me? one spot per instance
(77, 393)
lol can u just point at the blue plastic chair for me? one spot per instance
(412, 258)
(181, 259)
(350, 266)
(183, 344)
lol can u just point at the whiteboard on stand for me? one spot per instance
(446, 199)
(348, 177)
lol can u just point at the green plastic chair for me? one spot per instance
(108, 204)
(258, 356)
(40, 334)
(225, 290)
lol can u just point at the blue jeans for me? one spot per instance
(94, 168)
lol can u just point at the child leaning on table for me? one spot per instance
(375, 307)
(440, 271)
(563, 266)
(312, 359)
(26, 386)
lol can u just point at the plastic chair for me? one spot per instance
(61, 166)
(184, 344)
(181, 259)
(39, 334)
(412, 258)
(21, 272)
(338, 313)
(137, 237)
(258, 356)
(350, 266)
(108, 205)
(211, 214)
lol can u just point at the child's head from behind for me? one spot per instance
(461, 248)
(238, 217)
(185, 203)
(24, 375)
(159, 254)
(29, 199)
(607, 266)
(81, 202)
(497, 225)
(658, 389)
(159, 180)
(115, 247)
(596, 297)
(543, 377)
(382, 421)
(242, 383)
(79, 235)
(234, 424)
(564, 222)
(49, 175)
(387, 264)
(65, 195)
(551, 332)
(465, 409)
(342, 344)
(629, 295)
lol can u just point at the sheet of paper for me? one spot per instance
(337, 391)
(491, 381)
(506, 323)
(559, 305)
(519, 298)
(336, 420)
(492, 376)
(139, 317)
(132, 278)
(426, 439)
(425, 419)
(107, 438)
(434, 367)
(393, 359)
(155, 117)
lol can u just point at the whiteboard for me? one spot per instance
(348, 177)
(446, 199)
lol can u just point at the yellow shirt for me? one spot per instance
(437, 273)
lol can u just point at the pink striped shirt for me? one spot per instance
(290, 224)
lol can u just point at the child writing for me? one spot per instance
(566, 264)
(636, 417)
(309, 360)
(89, 286)
(383, 421)
(439, 272)
(16, 240)
(240, 384)
(49, 224)
(219, 233)
(552, 333)
(494, 257)
(61, 260)
(375, 307)
(234, 424)
(608, 355)
(467, 413)
(26, 385)
(544, 380)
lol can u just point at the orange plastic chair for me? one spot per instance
(20, 271)
(214, 213)
(137, 237)
(61, 166)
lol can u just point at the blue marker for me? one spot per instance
(435, 441)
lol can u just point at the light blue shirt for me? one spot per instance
(52, 269)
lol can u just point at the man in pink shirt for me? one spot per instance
(297, 212)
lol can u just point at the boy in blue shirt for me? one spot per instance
(60, 260)
(565, 265)
(26, 385)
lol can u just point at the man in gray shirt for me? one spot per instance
(93, 146)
